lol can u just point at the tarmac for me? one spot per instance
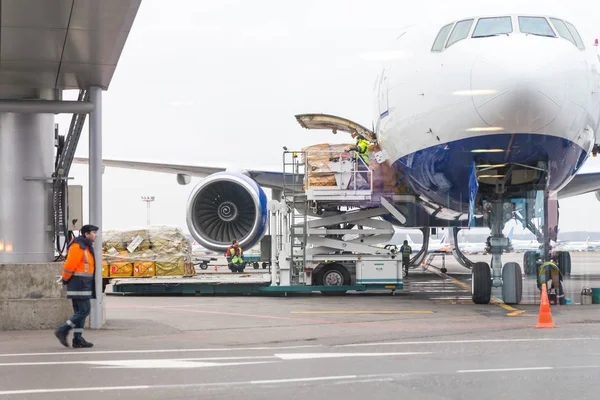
(428, 341)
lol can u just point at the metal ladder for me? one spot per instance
(64, 159)
(294, 171)
(430, 259)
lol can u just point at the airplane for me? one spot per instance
(476, 247)
(574, 246)
(473, 118)
(482, 247)
(434, 246)
(520, 246)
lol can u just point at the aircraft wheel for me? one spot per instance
(512, 283)
(481, 285)
(530, 262)
(564, 262)
(255, 265)
(203, 266)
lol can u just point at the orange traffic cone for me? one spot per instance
(545, 316)
(215, 267)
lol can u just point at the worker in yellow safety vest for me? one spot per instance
(362, 160)
(549, 273)
(235, 257)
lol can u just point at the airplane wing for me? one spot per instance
(267, 179)
(581, 184)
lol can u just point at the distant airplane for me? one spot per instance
(574, 246)
(480, 247)
(434, 245)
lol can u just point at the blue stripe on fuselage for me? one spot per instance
(441, 173)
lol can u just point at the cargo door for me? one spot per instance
(325, 121)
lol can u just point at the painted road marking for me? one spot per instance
(470, 341)
(166, 364)
(468, 371)
(181, 386)
(76, 353)
(310, 356)
(366, 312)
(354, 378)
(207, 362)
(132, 362)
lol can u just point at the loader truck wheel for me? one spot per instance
(334, 275)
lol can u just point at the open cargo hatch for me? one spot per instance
(324, 121)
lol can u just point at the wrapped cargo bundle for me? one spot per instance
(156, 251)
(385, 178)
(113, 239)
(120, 264)
(317, 160)
(144, 264)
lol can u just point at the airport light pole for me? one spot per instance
(148, 200)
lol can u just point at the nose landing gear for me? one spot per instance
(507, 276)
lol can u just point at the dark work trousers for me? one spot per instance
(406, 263)
(82, 308)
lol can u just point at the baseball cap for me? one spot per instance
(88, 228)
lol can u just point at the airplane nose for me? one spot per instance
(516, 88)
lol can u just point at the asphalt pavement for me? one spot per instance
(426, 342)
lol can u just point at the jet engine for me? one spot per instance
(227, 206)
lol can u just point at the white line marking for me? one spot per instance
(467, 341)
(168, 364)
(309, 356)
(320, 378)
(66, 390)
(183, 386)
(467, 371)
(202, 362)
(132, 361)
(228, 349)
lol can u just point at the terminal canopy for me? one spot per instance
(62, 44)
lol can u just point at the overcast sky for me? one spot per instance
(219, 83)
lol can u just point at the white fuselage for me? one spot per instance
(523, 96)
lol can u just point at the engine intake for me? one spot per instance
(227, 206)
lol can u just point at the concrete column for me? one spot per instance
(26, 165)
(95, 178)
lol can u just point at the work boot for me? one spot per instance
(81, 343)
(62, 337)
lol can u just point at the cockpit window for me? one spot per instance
(438, 45)
(460, 32)
(536, 26)
(492, 27)
(575, 35)
(566, 33)
(562, 30)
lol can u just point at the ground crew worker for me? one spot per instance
(548, 273)
(235, 257)
(362, 160)
(78, 275)
(406, 251)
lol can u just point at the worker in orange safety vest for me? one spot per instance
(78, 276)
